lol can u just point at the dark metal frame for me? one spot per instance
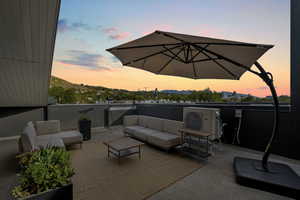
(202, 48)
(124, 152)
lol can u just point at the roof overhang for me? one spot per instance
(27, 38)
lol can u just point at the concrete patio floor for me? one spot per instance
(213, 181)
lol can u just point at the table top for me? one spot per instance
(194, 132)
(123, 143)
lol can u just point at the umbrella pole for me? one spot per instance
(268, 79)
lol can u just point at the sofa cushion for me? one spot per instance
(131, 129)
(164, 140)
(142, 120)
(49, 141)
(47, 127)
(172, 126)
(151, 122)
(70, 137)
(138, 132)
(28, 138)
(130, 120)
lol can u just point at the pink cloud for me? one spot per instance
(115, 34)
(110, 30)
(119, 36)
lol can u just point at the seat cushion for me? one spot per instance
(70, 137)
(172, 126)
(163, 139)
(49, 141)
(131, 129)
(138, 132)
(47, 127)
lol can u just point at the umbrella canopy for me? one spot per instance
(189, 56)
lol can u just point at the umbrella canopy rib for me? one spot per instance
(148, 56)
(144, 46)
(193, 57)
(194, 69)
(171, 57)
(229, 60)
(214, 53)
(220, 65)
(174, 54)
(169, 61)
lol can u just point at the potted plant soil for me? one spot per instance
(84, 124)
(45, 175)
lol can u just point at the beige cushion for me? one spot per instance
(130, 129)
(28, 138)
(70, 137)
(164, 140)
(138, 132)
(49, 141)
(130, 120)
(172, 126)
(151, 122)
(47, 127)
(142, 120)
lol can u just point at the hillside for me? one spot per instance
(66, 92)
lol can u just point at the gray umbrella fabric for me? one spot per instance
(198, 57)
(189, 56)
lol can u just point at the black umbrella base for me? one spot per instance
(281, 179)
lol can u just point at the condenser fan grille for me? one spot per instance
(193, 120)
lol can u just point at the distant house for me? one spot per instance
(269, 97)
(229, 95)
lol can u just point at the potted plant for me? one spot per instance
(45, 174)
(84, 124)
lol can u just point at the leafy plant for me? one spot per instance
(83, 113)
(43, 170)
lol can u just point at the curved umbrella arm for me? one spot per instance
(268, 79)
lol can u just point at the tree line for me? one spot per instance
(91, 94)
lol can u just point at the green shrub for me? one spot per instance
(43, 170)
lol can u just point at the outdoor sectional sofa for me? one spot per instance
(162, 133)
(42, 134)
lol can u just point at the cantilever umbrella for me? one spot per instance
(202, 58)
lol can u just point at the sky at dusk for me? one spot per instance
(87, 28)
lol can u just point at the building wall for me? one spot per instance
(13, 125)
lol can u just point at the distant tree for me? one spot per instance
(69, 96)
(249, 98)
(57, 93)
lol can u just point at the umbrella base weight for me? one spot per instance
(281, 179)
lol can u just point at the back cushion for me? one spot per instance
(28, 137)
(47, 127)
(142, 120)
(172, 126)
(151, 122)
(130, 120)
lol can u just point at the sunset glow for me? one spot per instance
(87, 28)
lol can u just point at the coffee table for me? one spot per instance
(123, 147)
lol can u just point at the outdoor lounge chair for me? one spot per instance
(44, 134)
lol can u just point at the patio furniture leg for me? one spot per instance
(140, 152)
(108, 152)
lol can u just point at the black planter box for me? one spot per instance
(85, 128)
(62, 193)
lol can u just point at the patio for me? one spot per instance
(188, 179)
